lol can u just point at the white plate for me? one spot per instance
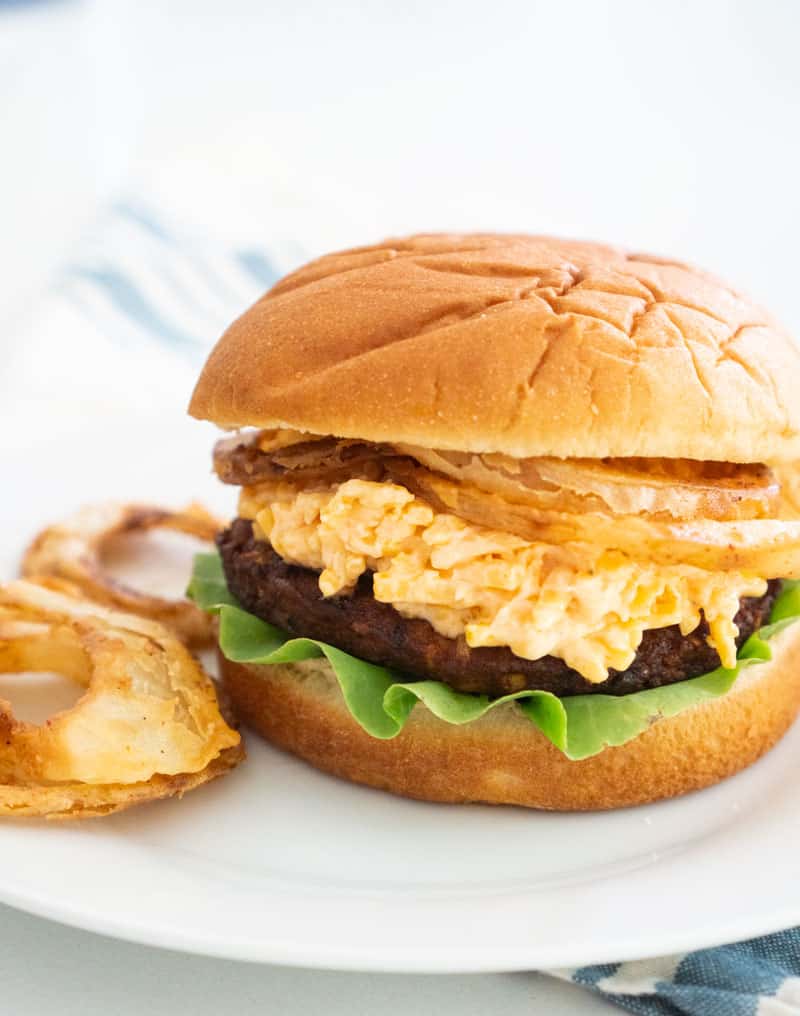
(279, 863)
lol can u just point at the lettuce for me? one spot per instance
(380, 700)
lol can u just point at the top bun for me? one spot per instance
(526, 345)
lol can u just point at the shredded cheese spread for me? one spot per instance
(584, 605)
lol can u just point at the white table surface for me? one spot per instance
(662, 127)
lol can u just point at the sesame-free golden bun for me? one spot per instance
(526, 345)
(502, 758)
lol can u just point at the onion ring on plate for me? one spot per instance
(73, 550)
(148, 725)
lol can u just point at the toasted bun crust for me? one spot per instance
(518, 344)
(502, 758)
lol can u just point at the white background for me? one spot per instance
(665, 125)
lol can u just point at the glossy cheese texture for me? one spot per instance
(585, 605)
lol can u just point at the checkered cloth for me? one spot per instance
(146, 284)
(760, 977)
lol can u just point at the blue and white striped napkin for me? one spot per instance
(140, 278)
(760, 977)
(127, 323)
(161, 293)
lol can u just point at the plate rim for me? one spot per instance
(346, 959)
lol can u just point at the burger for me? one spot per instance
(517, 521)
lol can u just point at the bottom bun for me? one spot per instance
(502, 758)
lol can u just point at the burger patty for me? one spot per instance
(288, 596)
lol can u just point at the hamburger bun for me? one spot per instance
(525, 345)
(502, 758)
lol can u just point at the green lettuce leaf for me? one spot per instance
(380, 700)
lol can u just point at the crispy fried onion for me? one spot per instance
(715, 515)
(73, 550)
(249, 458)
(671, 488)
(788, 474)
(664, 488)
(767, 547)
(148, 725)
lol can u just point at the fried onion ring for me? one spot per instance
(664, 489)
(661, 488)
(148, 726)
(767, 547)
(73, 550)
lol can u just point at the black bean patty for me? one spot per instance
(288, 596)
